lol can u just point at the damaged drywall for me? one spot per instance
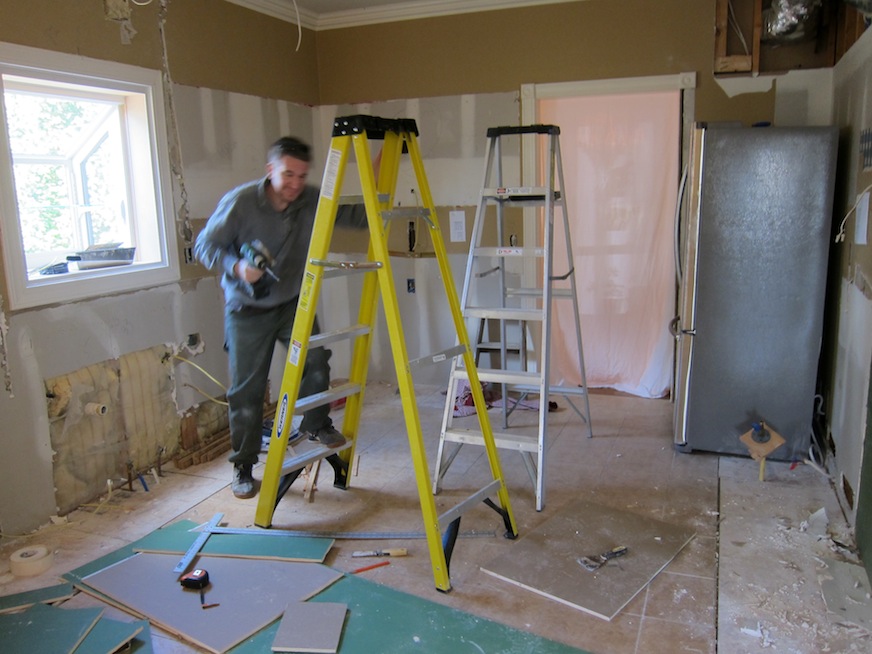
(4, 357)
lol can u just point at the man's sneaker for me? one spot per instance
(243, 482)
(295, 436)
(328, 436)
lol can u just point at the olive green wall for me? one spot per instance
(496, 51)
(220, 45)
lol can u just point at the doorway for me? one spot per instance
(621, 149)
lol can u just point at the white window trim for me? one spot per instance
(24, 293)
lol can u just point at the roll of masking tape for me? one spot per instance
(30, 561)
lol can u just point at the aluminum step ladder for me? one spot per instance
(352, 135)
(516, 313)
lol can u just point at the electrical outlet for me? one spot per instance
(410, 285)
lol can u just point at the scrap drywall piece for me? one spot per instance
(141, 643)
(249, 593)
(847, 593)
(250, 546)
(109, 636)
(310, 627)
(17, 601)
(43, 628)
(551, 553)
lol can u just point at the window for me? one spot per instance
(85, 191)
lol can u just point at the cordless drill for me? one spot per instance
(258, 256)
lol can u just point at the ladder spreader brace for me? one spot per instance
(352, 134)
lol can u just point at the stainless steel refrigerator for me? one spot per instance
(753, 248)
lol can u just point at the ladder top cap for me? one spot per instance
(374, 126)
(522, 129)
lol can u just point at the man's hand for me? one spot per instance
(246, 272)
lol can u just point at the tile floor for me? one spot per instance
(747, 582)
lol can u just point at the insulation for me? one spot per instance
(109, 418)
(790, 21)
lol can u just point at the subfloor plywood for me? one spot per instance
(550, 557)
(846, 590)
(250, 594)
(773, 539)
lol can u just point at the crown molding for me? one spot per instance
(414, 9)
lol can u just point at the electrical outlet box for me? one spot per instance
(410, 285)
(189, 255)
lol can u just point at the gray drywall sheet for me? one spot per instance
(550, 555)
(250, 594)
(310, 627)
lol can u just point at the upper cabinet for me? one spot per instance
(775, 36)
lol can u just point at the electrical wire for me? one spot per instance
(840, 237)
(200, 390)
(181, 358)
(299, 26)
(735, 25)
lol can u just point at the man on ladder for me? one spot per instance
(258, 238)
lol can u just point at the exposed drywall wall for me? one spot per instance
(52, 342)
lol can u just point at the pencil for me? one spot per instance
(370, 567)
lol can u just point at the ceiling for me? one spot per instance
(332, 14)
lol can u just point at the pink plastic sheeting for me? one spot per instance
(620, 166)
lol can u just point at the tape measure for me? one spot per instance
(197, 579)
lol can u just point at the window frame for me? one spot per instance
(152, 192)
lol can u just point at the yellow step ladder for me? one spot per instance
(507, 313)
(353, 134)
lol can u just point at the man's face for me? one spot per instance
(287, 176)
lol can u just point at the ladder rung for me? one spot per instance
(317, 451)
(498, 346)
(342, 266)
(458, 510)
(519, 194)
(438, 357)
(508, 251)
(538, 292)
(359, 199)
(503, 314)
(552, 390)
(406, 212)
(325, 397)
(503, 440)
(338, 335)
(502, 376)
